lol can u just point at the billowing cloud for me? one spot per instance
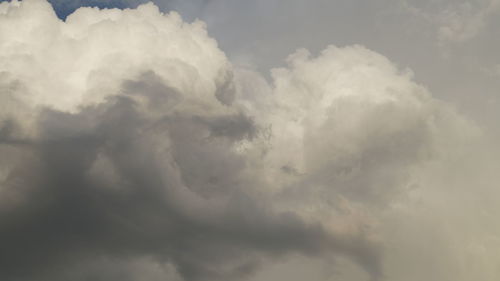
(133, 150)
(63, 8)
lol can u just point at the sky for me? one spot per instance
(213, 140)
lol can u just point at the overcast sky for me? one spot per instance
(212, 140)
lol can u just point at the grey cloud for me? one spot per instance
(68, 215)
(133, 149)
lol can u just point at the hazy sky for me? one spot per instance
(213, 140)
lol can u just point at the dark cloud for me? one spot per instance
(131, 148)
(114, 181)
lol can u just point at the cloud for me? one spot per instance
(456, 22)
(128, 147)
(63, 8)
(133, 149)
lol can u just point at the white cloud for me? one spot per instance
(73, 63)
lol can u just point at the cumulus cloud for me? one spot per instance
(63, 8)
(133, 150)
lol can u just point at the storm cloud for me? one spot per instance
(133, 149)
